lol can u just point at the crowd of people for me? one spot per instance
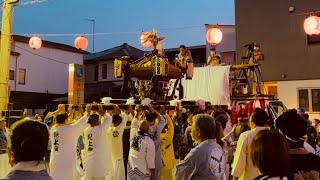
(91, 143)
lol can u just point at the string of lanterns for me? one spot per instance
(214, 35)
(81, 42)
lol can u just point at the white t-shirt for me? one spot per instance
(115, 138)
(242, 165)
(97, 151)
(64, 141)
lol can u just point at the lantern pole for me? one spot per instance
(5, 52)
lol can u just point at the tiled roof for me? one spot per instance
(188, 47)
(115, 52)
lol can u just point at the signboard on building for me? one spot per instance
(76, 84)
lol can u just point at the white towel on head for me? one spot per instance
(106, 100)
(201, 103)
(146, 101)
(130, 101)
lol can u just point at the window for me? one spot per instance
(309, 99)
(278, 107)
(315, 93)
(22, 76)
(104, 71)
(228, 57)
(96, 72)
(273, 90)
(11, 75)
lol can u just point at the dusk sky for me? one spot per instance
(180, 21)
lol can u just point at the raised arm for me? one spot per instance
(162, 121)
(81, 123)
(61, 109)
(107, 118)
(130, 110)
(135, 124)
(123, 116)
(227, 136)
(70, 112)
(107, 121)
(170, 131)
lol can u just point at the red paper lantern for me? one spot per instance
(81, 42)
(143, 39)
(312, 25)
(35, 42)
(214, 35)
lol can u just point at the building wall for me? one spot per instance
(12, 66)
(90, 70)
(228, 57)
(89, 75)
(42, 75)
(281, 36)
(288, 93)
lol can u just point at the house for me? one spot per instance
(226, 49)
(99, 72)
(37, 77)
(290, 69)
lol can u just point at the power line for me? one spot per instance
(178, 28)
(30, 2)
(39, 55)
(110, 33)
(305, 13)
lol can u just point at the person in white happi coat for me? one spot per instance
(141, 164)
(97, 156)
(4, 160)
(64, 140)
(115, 132)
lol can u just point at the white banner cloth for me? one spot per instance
(210, 83)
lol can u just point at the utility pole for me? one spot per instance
(6, 27)
(93, 22)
